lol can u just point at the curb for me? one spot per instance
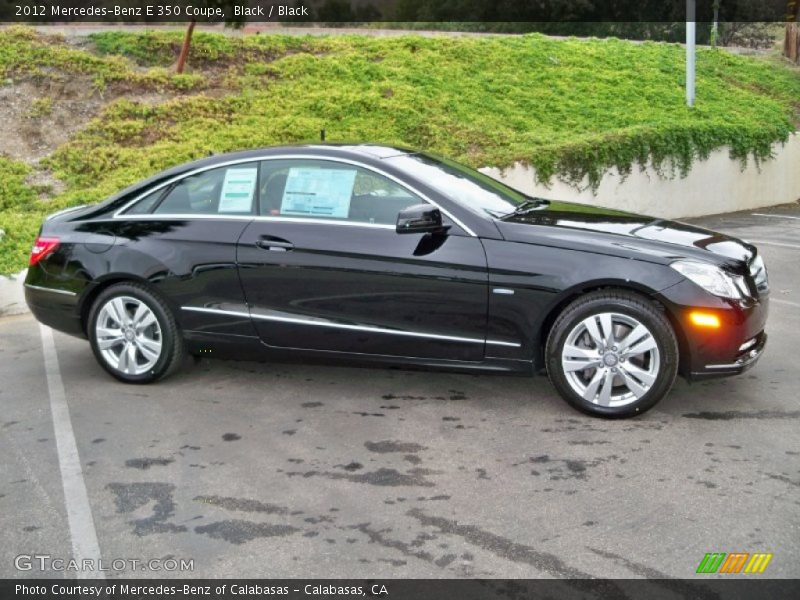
(12, 295)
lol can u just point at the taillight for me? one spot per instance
(43, 246)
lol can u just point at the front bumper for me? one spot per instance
(732, 348)
(743, 362)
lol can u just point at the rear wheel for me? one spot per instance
(612, 354)
(134, 335)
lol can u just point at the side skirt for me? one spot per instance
(235, 347)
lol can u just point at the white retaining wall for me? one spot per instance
(713, 186)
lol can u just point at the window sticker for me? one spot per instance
(237, 191)
(315, 192)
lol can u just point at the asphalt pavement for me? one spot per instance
(288, 470)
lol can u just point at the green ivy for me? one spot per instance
(570, 108)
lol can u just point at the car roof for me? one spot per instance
(374, 151)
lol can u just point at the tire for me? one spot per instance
(134, 351)
(612, 376)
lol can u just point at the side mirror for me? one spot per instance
(420, 218)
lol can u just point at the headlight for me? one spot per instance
(711, 278)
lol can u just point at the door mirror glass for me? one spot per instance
(420, 218)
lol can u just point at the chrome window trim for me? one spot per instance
(119, 213)
(49, 289)
(162, 217)
(323, 323)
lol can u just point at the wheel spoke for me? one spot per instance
(150, 349)
(644, 345)
(633, 385)
(131, 350)
(640, 374)
(579, 365)
(110, 340)
(591, 388)
(634, 336)
(605, 393)
(141, 312)
(118, 311)
(146, 321)
(122, 361)
(607, 328)
(594, 332)
(571, 351)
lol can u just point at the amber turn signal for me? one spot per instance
(704, 319)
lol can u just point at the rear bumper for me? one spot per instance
(55, 308)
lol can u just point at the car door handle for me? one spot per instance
(275, 244)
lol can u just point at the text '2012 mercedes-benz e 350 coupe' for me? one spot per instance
(374, 253)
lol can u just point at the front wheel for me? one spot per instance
(612, 354)
(133, 334)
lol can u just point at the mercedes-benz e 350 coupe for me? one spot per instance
(375, 253)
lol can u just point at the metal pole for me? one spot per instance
(691, 31)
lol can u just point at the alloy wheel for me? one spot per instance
(610, 359)
(128, 335)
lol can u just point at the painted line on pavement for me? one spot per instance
(776, 216)
(787, 302)
(76, 499)
(780, 244)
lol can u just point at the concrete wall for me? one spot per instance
(717, 185)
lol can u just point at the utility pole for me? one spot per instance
(691, 35)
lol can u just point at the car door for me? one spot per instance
(182, 238)
(323, 269)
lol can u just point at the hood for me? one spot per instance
(583, 227)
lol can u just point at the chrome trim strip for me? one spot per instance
(53, 290)
(216, 311)
(163, 217)
(499, 343)
(237, 161)
(503, 291)
(323, 323)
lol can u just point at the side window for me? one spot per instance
(146, 204)
(318, 189)
(224, 191)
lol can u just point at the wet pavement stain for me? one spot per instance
(783, 478)
(236, 531)
(146, 463)
(500, 546)
(729, 415)
(684, 589)
(353, 466)
(387, 446)
(381, 477)
(378, 537)
(132, 496)
(242, 505)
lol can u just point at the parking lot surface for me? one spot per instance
(291, 470)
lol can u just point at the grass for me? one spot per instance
(20, 215)
(570, 108)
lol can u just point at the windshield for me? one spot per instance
(466, 186)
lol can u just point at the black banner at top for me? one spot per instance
(430, 11)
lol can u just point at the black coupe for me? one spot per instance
(376, 253)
